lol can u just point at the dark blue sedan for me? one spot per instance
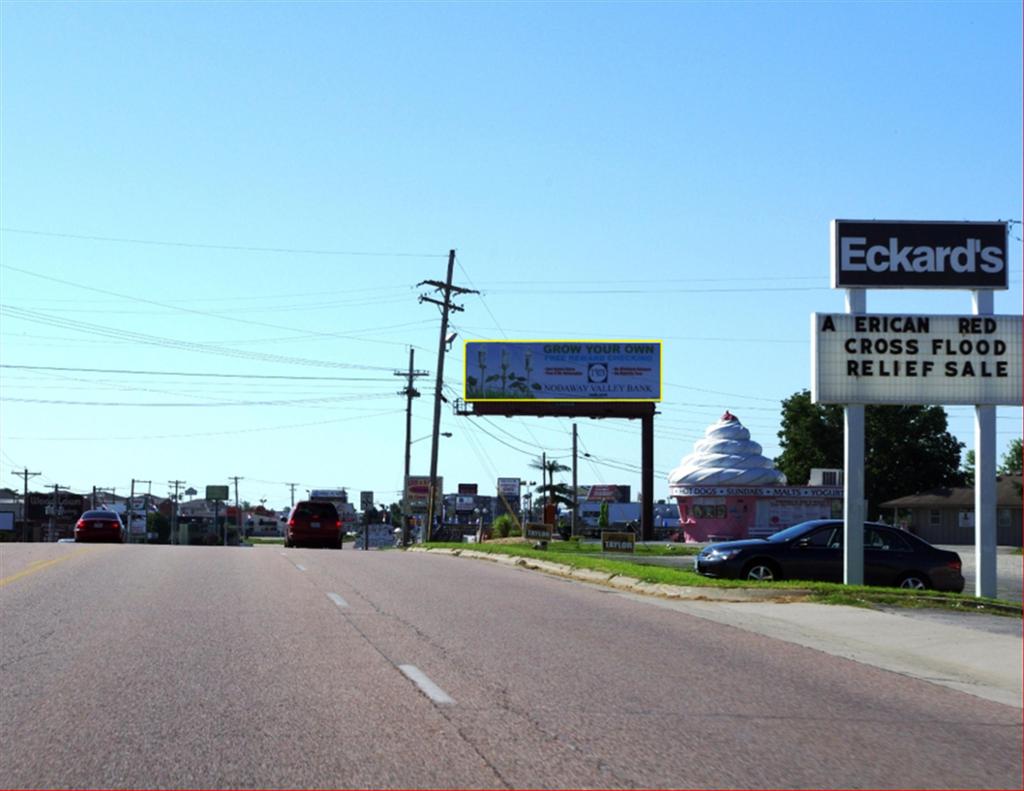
(814, 551)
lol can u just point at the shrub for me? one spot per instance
(504, 526)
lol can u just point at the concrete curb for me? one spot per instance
(620, 582)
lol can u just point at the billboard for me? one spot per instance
(628, 370)
(901, 254)
(914, 359)
(217, 493)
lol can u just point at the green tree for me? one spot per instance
(908, 449)
(552, 492)
(1011, 462)
(967, 468)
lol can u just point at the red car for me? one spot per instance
(99, 525)
(314, 523)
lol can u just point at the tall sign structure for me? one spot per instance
(575, 379)
(859, 358)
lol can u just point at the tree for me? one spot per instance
(1011, 462)
(908, 449)
(967, 468)
(552, 492)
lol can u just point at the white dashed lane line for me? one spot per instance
(427, 687)
(334, 597)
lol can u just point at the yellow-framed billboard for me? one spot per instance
(562, 370)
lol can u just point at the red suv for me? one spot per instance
(314, 523)
(99, 525)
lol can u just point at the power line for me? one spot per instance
(136, 299)
(156, 340)
(197, 373)
(205, 246)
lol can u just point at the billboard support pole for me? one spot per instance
(647, 477)
(982, 303)
(853, 479)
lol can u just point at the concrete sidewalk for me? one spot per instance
(977, 654)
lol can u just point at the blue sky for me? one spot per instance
(258, 188)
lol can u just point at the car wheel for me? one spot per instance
(914, 581)
(761, 571)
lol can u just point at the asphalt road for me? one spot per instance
(152, 666)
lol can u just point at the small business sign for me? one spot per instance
(535, 531)
(467, 488)
(417, 492)
(901, 254)
(562, 371)
(617, 542)
(509, 487)
(217, 493)
(329, 494)
(913, 359)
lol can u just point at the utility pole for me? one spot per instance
(446, 306)
(131, 506)
(410, 393)
(25, 474)
(54, 508)
(238, 513)
(575, 501)
(292, 487)
(174, 510)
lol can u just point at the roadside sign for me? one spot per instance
(617, 542)
(216, 492)
(537, 532)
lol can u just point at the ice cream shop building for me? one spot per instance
(727, 489)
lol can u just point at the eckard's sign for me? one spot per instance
(901, 254)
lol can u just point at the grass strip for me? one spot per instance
(820, 592)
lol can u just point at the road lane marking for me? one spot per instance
(39, 565)
(427, 687)
(300, 567)
(334, 597)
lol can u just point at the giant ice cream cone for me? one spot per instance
(726, 457)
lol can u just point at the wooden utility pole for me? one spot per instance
(410, 393)
(174, 510)
(575, 501)
(25, 474)
(446, 305)
(238, 512)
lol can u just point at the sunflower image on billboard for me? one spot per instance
(627, 370)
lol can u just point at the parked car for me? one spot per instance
(99, 525)
(314, 523)
(814, 551)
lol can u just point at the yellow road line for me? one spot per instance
(39, 565)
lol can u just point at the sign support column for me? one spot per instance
(853, 471)
(984, 478)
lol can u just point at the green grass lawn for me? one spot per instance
(825, 592)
